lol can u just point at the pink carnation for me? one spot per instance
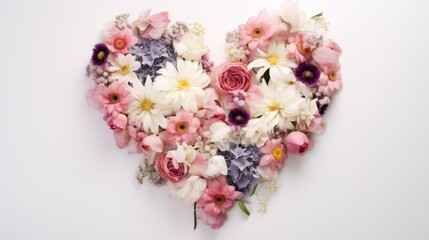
(152, 26)
(258, 31)
(182, 128)
(218, 197)
(112, 99)
(272, 160)
(120, 41)
(215, 222)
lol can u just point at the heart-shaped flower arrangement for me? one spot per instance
(214, 134)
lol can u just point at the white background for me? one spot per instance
(61, 176)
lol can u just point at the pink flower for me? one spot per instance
(330, 80)
(230, 77)
(297, 142)
(218, 197)
(258, 31)
(119, 126)
(210, 109)
(327, 56)
(114, 98)
(272, 160)
(165, 168)
(152, 26)
(120, 41)
(182, 128)
(215, 222)
(295, 48)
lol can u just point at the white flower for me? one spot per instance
(275, 59)
(307, 110)
(149, 107)
(301, 88)
(280, 105)
(188, 191)
(220, 134)
(183, 87)
(255, 133)
(183, 154)
(216, 166)
(123, 68)
(190, 47)
(294, 17)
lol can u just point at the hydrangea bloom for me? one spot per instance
(242, 163)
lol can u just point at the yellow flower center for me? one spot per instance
(101, 55)
(182, 84)
(273, 59)
(257, 32)
(277, 153)
(125, 69)
(181, 127)
(146, 104)
(275, 106)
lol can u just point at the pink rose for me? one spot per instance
(297, 142)
(165, 168)
(230, 77)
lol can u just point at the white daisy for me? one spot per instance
(275, 60)
(123, 68)
(149, 107)
(280, 105)
(183, 87)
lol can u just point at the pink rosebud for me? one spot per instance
(230, 77)
(297, 142)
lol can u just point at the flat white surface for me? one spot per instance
(61, 176)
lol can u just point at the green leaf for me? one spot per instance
(317, 15)
(243, 207)
(253, 190)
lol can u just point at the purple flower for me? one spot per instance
(100, 52)
(322, 108)
(242, 163)
(238, 117)
(153, 55)
(307, 73)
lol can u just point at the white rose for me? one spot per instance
(216, 166)
(188, 191)
(191, 47)
(220, 133)
(183, 154)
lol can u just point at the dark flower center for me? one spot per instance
(307, 75)
(257, 32)
(219, 199)
(181, 127)
(114, 98)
